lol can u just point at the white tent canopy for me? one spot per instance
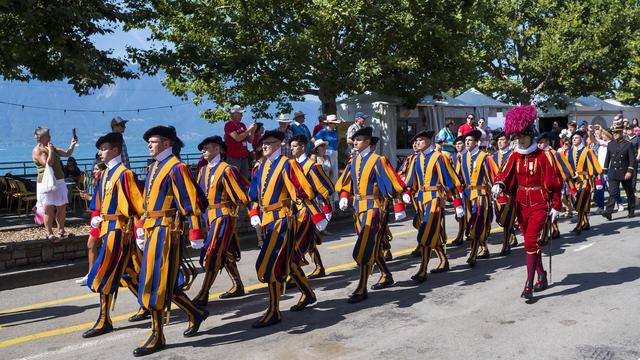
(476, 98)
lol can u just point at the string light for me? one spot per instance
(23, 106)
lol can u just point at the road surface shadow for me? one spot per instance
(42, 314)
(589, 281)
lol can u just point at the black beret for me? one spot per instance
(543, 136)
(366, 131)
(272, 133)
(374, 140)
(459, 138)
(579, 132)
(111, 138)
(212, 140)
(424, 133)
(475, 134)
(299, 138)
(168, 132)
(502, 134)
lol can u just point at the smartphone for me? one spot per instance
(75, 136)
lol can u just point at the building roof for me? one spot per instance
(474, 97)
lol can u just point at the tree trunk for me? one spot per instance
(328, 99)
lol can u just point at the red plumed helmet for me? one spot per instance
(519, 119)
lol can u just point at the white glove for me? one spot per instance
(598, 187)
(197, 244)
(140, 233)
(95, 221)
(255, 221)
(554, 214)
(344, 204)
(322, 224)
(459, 212)
(496, 189)
(400, 215)
(406, 198)
(328, 216)
(140, 243)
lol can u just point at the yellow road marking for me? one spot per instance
(85, 326)
(48, 303)
(351, 243)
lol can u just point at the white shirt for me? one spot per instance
(579, 147)
(428, 150)
(114, 162)
(215, 161)
(364, 152)
(475, 151)
(275, 155)
(302, 158)
(164, 154)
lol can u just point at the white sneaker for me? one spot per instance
(83, 281)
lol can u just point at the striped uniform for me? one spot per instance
(462, 222)
(118, 199)
(373, 183)
(276, 185)
(505, 209)
(585, 164)
(568, 176)
(306, 235)
(170, 193)
(226, 190)
(428, 179)
(477, 174)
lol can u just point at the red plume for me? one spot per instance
(519, 119)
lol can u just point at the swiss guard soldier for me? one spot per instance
(429, 176)
(276, 186)
(116, 201)
(477, 173)
(505, 207)
(619, 168)
(226, 190)
(585, 164)
(461, 150)
(530, 177)
(373, 184)
(170, 194)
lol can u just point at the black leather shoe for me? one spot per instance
(93, 332)
(542, 283)
(439, 270)
(542, 242)
(416, 252)
(606, 215)
(586, 227)
(419, 278)
(291, 284)
(631, 215)
(139, 316)
(260, 324)
(201, 301)
(192, 330)
(555, 234)
(302, 305)
(388, 256)
(471, 262)
(527, 293)
(505, 252)
(456, 242)
(576, 230)
(356, 298)
(383, 285)
(228, 295)
(317, 275)
(484, 255)
(144, 351)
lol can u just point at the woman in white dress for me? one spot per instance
(54, 202)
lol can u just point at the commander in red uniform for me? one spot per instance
(531, 177)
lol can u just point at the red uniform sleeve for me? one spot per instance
(507, 175)
(552, 181)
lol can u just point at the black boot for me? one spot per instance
(356, 298)
(192, 330)
(542, 283)
(141, 315)
(527, 293)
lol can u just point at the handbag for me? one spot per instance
(48, 183)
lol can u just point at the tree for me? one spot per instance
(258, 52)
(541, 48)
(628, 89)
(50, 40)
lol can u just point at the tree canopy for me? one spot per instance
(51, 40)
(258, 52)
(541, 48)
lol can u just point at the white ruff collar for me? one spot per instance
(528, 150)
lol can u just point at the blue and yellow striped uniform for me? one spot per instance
(505, 213)
(226, 190)
(477, 174)
(584, 163)
(429, 178)
(373, 184)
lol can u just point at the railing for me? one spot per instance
(26, 169)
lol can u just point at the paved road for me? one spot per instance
(590, 312)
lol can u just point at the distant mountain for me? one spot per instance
(18, 124)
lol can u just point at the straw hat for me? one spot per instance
(319, 142)
(331, 119)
